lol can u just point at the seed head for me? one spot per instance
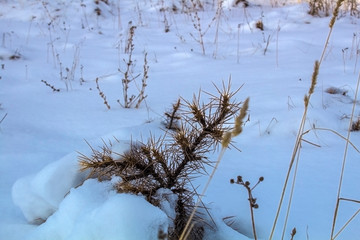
(239, 179)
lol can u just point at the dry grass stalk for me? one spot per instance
(219, 12)
(296, 151)
(331, 25)
(3, 118)
(347, 222)
(351, 124)
(173, 160)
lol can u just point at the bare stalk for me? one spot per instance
(344, 160)
(252, 201)
(101, 94)
(302, 123)
(297, 142)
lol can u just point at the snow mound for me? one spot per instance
(39, 195)
(95, 211)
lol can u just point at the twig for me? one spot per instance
(50, 86)
(3, 118)
(252, 200)
(102, 95)
(344, 158)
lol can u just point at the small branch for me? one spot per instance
(102, 95)
(50, 86)
(141, 97)
(252, 200)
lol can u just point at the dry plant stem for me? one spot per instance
(187, 228)
(252, 200)
(218, 18)
(141, 97)
(302, 124)
(338, 134)
(238, 43)
(2, 119)
(291, 195)
(344, 159)
(50, 86)
(252, 213)
(347, 223)
(197, 26)
(297, 142)
(331, 26)
(277, 44)
(102, 95)
(194, 15)
(128, 75)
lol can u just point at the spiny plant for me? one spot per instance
(172, 117)
(252, 201)
(173, 160)
(356, 125)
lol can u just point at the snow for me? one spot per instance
(93, 210)
(44, 196)
(37, 196)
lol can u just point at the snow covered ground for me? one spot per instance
(44, 130)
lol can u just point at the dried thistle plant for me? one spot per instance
(173, 160)
(193, 12)
(129, 76)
